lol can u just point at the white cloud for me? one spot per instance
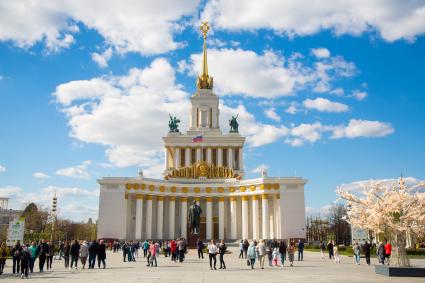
(271, 113)
(362, 128)
(325, 105)
(78, 172)
(139, 26)
(101, 59)
(307, 132)
(357, 186)
(359, 95)
(71, 191)
(40, 175)
(260, 168)
(392, 20)
(2, 168)
(323, 210)
(10, 191)
(292, 109)
(268, 75)
(321, 52)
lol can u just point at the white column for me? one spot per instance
(171, 217)
(160, 217)
(183, 217)
(255, 226)
(209, 228)
(187, 156)
(279, 223)
(230, 157)
(167, 156)
(245, 217)
(275, 217)
(221, 218)
(198, 154)
(233, 219)
(241, 158)
(139, 217)
(220, 156)
(149, 217)
(177, 157)
(265, 219)
(209, 155)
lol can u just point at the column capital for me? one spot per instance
(197, 199)
(172, 198)
(255, 197)
(264, 196)
(233, 198)
(160, 198)
(209, 199)
(149, 197)
(245, 198)
(183, 199)
(140, 196)
(221, 199)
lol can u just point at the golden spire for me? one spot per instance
(204, 81)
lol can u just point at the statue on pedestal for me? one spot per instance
(234, 125)
(173, 124)
(195, 212)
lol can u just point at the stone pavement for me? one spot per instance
(312, 269)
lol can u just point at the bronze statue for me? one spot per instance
(234, 125)
(173, 124)
(195, 212)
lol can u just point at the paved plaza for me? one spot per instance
(312, 269)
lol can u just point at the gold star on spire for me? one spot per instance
(204, 81)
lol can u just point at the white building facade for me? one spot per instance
(203, 165)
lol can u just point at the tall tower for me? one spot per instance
(212, 147)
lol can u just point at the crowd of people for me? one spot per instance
(24, 256)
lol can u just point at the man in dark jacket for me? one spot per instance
(282, 251)
(75, 252)
(25, 261)
(366, 251)
(101, 254)
(93, 250)
(43, 250)
(200, 246)
(16, 257)
(300, 250)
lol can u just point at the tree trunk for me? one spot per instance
(399, 255)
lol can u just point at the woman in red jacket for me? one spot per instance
(173, 247)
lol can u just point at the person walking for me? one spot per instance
(66, 253)
(282, 251)
(101, 254)
(336, 254)
(222, 250)
(269, 251)
(50, 255)
(75, 252)
(16, 257)
(275, 256)
(173, 249)
(322, 249)
(33, 249)
(330, 248)
(291, 253)
(252, 254)
(200, 246)
(152, 251)
(387, 249)
(300, 250)
(245, 247)
(261, 249)
(84, 253)
(212, 254)
(145, 248)
(366, 251)
(25, 261)
(4, 253)
(181, 249)
(43, 251)
(93, 249)
(241, 249)
(356, 252)
(380, 252)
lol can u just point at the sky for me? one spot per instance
(332, 91)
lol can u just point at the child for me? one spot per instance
(336, 254)
(275, 256)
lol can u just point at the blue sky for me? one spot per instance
(334, 94)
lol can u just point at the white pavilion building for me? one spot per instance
(203, 165)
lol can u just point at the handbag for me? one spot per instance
(248, 262)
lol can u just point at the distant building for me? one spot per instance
(7, 215)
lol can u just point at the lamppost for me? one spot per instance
(54, 215)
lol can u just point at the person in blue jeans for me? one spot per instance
(93, 250)
(282, 251)
(300, 250)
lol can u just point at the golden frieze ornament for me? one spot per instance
(202, 169)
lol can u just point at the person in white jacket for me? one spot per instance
(84, 253)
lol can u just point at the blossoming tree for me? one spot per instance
(396, 209)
